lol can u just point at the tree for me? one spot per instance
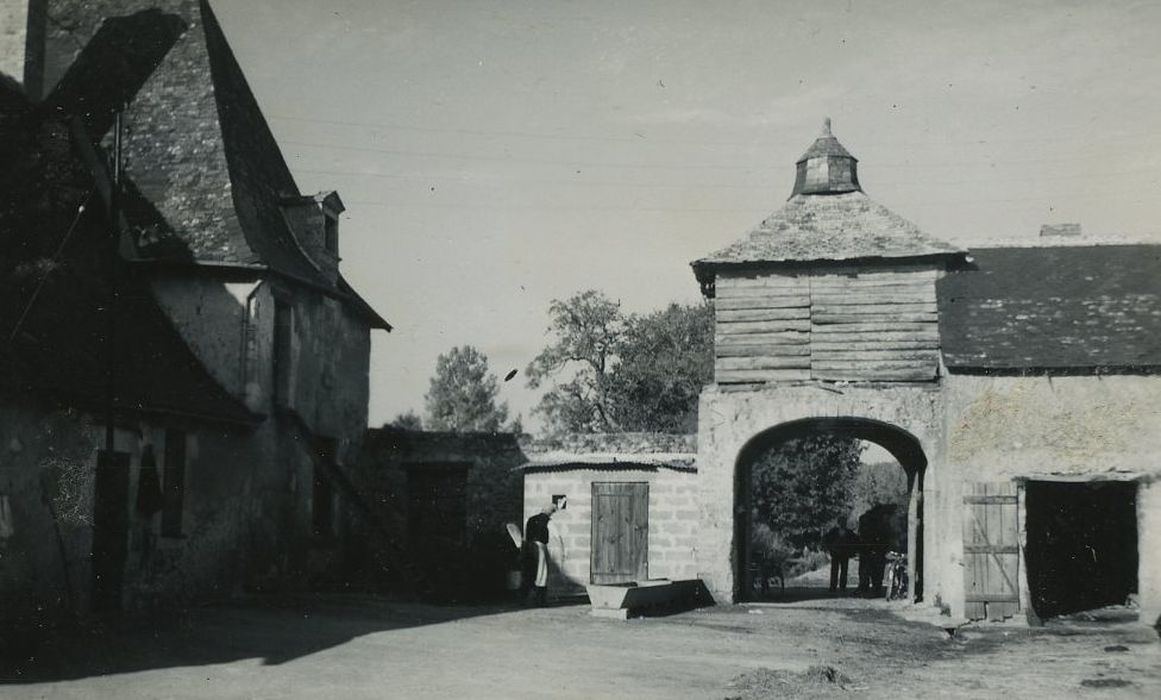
(666, 359)
(407, 421)
(462, 397)
(614, 372)
(587, 327)
(802, 486)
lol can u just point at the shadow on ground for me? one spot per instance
(273, 630)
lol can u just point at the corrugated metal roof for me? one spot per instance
(681, 461)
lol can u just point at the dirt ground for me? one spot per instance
(368, 648)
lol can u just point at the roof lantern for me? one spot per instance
(827, 167)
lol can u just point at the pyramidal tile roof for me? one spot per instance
(834, 227)
(826, 225)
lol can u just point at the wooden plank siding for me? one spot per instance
(854, 326)
(991, 550)
(620, 532)
(762, 331)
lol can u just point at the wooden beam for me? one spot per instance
(730, 315)
(733, 363)
(762, 350)
(729, 303)
(748, 327)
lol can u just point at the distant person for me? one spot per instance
(536, 554)
(875, 537)
(840, 542)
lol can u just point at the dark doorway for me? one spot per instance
(437, 522)
(1082, 545)
(110, 529)
(620, 535)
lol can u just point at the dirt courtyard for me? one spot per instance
(367, 648)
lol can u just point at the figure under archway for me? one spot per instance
(797, 480)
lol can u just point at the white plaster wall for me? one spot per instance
(1069, 428)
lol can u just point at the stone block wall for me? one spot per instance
(729, 419)
(493, 496)
(673, 518)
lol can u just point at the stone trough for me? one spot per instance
(623, 600)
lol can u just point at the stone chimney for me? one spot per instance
(826, 167)
(1060, 230)
(22, 32)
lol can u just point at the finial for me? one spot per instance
(826, 127)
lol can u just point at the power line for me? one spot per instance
(639, 137)
(586, 182)
(915, 166)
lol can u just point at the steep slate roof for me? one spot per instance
(58, 353)
(1056, 308)
(206, 176)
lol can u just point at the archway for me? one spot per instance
(904, 447)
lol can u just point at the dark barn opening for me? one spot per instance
(1082, 545)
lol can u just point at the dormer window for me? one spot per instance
(331, 234)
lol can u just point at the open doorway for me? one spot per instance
(818, 491)
(1081, 549)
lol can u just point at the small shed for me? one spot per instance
(630, 508)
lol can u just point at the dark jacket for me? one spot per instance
(537, 528)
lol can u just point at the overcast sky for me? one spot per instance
(494, 156)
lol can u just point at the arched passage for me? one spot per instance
(902, 445)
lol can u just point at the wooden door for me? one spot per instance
(991, 550)
(620, 539)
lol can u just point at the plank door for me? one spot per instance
(991, 550)
(620, 539)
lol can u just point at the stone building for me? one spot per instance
(240, 353)
(630, 507)
(447, 499)
(1017, 388)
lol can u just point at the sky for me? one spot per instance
(494, 156)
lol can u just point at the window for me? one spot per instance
(281, 354)
(173, 494)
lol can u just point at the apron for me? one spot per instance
(541, 579)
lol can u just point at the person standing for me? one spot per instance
(536, 553)
(840, 542)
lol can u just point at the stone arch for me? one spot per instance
(901, 444)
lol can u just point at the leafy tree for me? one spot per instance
(462, 397)
(407, 421)
(802, 486)
(587, 327)
(614, 372)
(666, 359)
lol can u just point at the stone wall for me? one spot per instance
(493, 498)
(1060, 428)
(245, 512)
(673, 519)
(729, 419)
